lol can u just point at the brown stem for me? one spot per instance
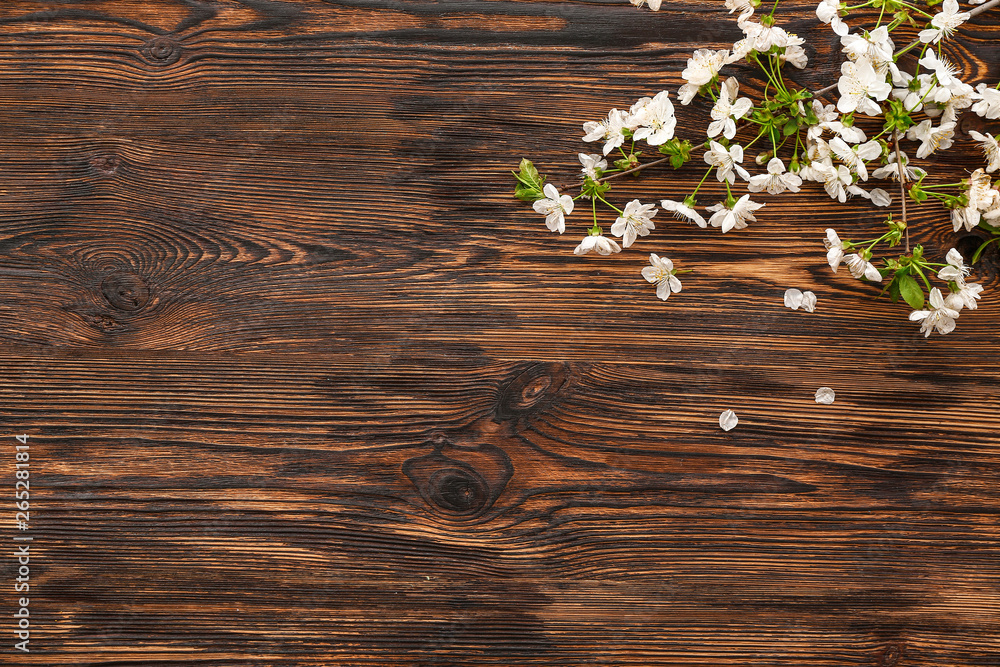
(622, 173)
(902, 184)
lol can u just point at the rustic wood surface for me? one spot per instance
(305, 385)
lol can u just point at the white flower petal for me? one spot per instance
(825, 395)
(728, 420)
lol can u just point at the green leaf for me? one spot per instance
(911, 291)
(529, 182)
(790, 128)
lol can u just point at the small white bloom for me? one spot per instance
(597, 243)
(825, 395)
(940, 316)
(653, 4)
(795, 56)
(776, 180)
(703, 65)
(728, 420)
(835, 180)
(660, 272)
(858, 84)
(991, 149)
(634, 221)
(592, 163)
(745, 7)
(862, 268)
(610, 130)
(931, 139)
(989, 104)
(891, 169)
(726, 161)
(966, 296)
(795, 299)
(877, 46)
(735, 218)
(944, 23)
(728, 109)
(982, 199)
(956, 271)
(656, 120)
(855, 158)
(943, 70)
(834, 249)
(828, 11)
(682, 211)
(554, 207)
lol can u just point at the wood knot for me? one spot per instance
(125, 290)
(532, 390)
(161, 51)
(971, 121)
(105, 164)
(460, 482)
(889, 656)
(459, 490)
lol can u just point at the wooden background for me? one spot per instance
(305, 385)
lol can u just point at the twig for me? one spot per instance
(622, 173)
(972, 13)
(902, 186)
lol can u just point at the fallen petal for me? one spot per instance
(728, 420)
(793, 298)
(808, 302)
(825, 395)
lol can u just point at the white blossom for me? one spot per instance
(989, 105)
(828, 11)
(554, 207)
(660, 272)
(776, 180)
(825, 395)
(862, 268)
(956, 270)
(943, 70)
(735, 218)
(728, 420)
(726, 161)
(682, 211)
(795, 56)
(966, 296)
(635, 220)
(728, 109)
(931, 138)
(653, 4)
(835, 180)
(656, 120)
(891, 169)
(796, 299)
(876, 46)
(858, 85)
(597, 243)
(944, 23)
(940, 316)
(703, 65)
(982, 199)
(855, 158)
(610, 130)
(991, 149)
(592, 163)
(834, 249)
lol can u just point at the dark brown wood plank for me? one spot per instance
(498, 513)
(305, 385)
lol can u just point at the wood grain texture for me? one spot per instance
(305, 385)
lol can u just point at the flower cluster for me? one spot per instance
(882, 99)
